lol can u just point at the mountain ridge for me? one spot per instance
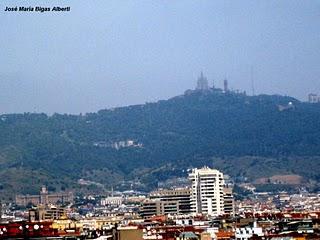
(151, 142)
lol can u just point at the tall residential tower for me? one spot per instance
(207, 195)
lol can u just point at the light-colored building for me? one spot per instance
(112, 201)
(155, 207)
(167, 201)
(313, 98)
(207, 191)
(129, 232)
(179, 195)
(44, 198)
(247, 232)
(42, 213)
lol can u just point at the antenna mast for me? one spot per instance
(252, 80)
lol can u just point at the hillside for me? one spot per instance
(245, 136)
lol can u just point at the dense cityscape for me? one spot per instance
(205, 209)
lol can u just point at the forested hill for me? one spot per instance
(154, 141)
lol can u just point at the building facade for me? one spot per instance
(43, 213)
(229, 206)
(44, 198)
(207, 191)
(156, 207)
(112, 201)
(179, 195)
(168, 201)
(313, 98)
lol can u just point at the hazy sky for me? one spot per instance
(105, 54)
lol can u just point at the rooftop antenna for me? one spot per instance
(252, 80)
(225, 85)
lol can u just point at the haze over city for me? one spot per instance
(104, 54)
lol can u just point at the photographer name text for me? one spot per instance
(37, 9)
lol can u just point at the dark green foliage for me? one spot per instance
(275, 188)
(245, 136)
(240, 193)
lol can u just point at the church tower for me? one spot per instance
(202, 83)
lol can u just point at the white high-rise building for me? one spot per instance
(207, 191)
